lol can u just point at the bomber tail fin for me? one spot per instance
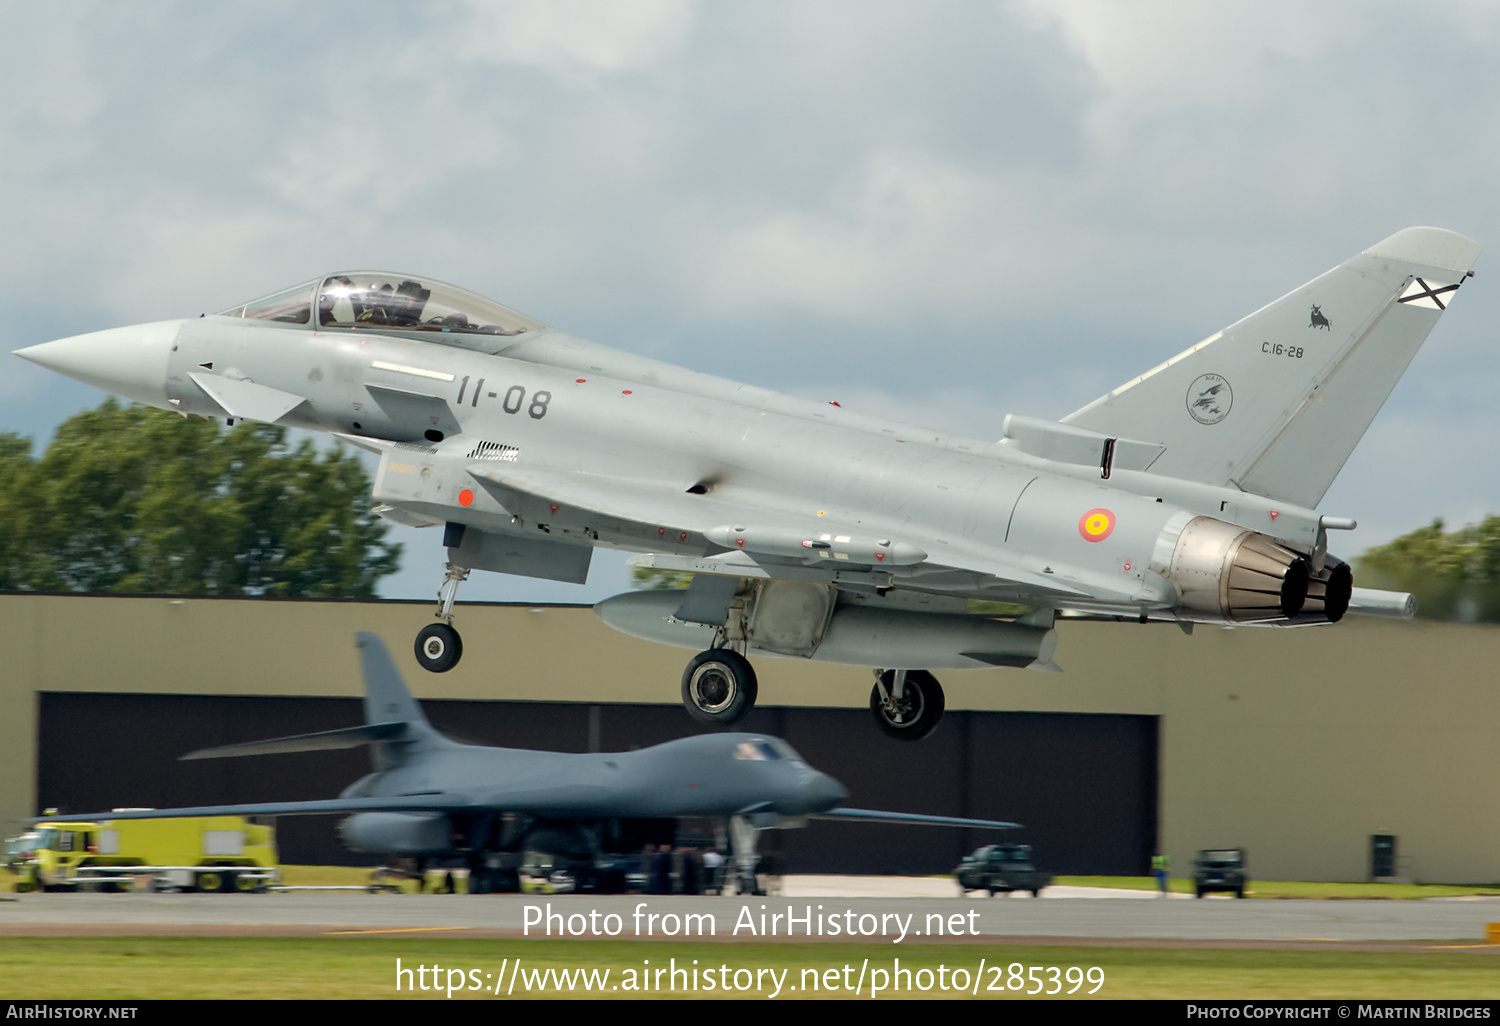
(1275, 403)
(394, 722)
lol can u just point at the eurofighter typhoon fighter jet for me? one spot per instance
(431, 798)
(1187, 494)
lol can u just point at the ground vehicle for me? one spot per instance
(1220, 869)
(1000, 869)
(18, 850)
(205, 853)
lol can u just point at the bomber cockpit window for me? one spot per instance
(757, 751)
(289, 306)
(389, 302)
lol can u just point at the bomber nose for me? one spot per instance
(822, 793)
(130, 362)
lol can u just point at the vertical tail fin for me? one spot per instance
(394, 723)
(1276, 402)
(387, 700)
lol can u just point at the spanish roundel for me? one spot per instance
(1096, 525)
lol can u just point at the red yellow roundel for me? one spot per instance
(1096, 525)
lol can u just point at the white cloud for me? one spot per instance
(568, 36)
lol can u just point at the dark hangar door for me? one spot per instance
(1084, 785)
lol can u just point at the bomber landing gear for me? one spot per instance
(907, 704)
(718, 687)
(438, 647)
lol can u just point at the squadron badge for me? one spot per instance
(1209, 398)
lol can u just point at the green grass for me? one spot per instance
(123, 968)
(1295, 889)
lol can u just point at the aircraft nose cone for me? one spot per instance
(130, 362)
(822, 793)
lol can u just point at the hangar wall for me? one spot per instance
(1295, 744)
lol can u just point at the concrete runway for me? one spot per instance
(871, 909)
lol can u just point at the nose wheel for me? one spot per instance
(719, 687)
(907, 704)
(438, 647)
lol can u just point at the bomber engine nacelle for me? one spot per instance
(397, 833)
(1227, 572)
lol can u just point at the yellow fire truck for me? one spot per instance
(206, 853)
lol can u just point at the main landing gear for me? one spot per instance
(438, 646)
(906, 704)
(719, 687)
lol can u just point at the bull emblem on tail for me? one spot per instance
(1318, 320)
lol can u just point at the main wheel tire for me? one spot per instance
(916, 713)
(438, 648)
(719, 687)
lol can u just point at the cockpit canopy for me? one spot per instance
(377, 301)
(765, 750)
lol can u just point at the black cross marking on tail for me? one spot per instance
(1430, 293)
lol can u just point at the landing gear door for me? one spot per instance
(420, 479)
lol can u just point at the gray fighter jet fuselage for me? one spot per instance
(1187, 494)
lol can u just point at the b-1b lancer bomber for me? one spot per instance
(433, 799)
(1188, 494)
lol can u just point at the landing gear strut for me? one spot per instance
(719, 687)
(907, 704)
(438, 646)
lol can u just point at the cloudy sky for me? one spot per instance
(939, 211)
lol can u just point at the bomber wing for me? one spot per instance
(916, 818)
(546, 800)
(438, 802)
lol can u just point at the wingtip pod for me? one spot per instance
(1437, 248)
(1397, 605)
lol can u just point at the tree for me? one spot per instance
(134, 500)
(1454, 575)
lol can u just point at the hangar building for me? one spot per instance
(1301, 746)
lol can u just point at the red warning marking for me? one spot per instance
(1274, 514)
(553, 509)
(880, 557)
(682, 536)
(660, 531)
(625, 392)
(1125, 566)
(466, 498)
(1096, 525)
(740, 542)
(580, 381)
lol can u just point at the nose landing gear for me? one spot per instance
(438, 645)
